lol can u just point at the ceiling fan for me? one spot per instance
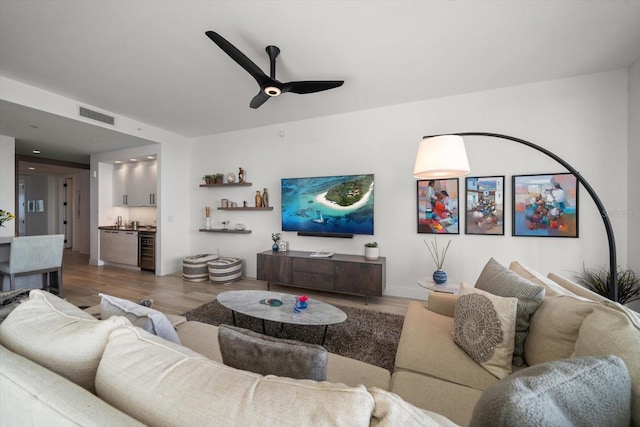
(269, 86)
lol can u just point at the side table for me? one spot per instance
(448, 288)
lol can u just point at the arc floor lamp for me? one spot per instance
(444, 156)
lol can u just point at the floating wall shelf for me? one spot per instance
(248, 208)
(232, 184)
(224, 230)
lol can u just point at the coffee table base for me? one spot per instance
(264, 328)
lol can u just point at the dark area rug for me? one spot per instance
(366, 335)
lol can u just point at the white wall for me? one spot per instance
(581, 119)
(7, 181)
(633, 194)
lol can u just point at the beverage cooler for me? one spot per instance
(147, 251)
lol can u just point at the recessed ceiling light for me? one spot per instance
(36, 151)
(117, 161)
(150, 157)
(31, 168)
(133, 160)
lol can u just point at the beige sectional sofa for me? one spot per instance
(61, 366)
(434, 373)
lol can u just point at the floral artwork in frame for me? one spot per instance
(438, 206)
(484, 212)
(545, 205)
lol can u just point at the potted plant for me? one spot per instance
(209, 179)
(597, 280)
(439, 276)
(371, 251)
(219, 177)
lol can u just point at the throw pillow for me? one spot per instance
(503, 282)
(484, 327)
(59, 336)
(585, 391)
(146, 318)
(265, 355)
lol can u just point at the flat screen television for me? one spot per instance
(330, 206)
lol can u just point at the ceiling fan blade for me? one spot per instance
(239, 57)
(259, 99)
(311, 86)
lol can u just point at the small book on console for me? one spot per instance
(322, 254)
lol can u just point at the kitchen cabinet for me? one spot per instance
(134, 184)
(119, 246)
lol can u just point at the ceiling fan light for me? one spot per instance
(272, 91)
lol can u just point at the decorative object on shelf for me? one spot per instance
(224, 224)
(231, 178)
(209, 179)
(485, 205)
(439, 276)
(301, 303)
(5, 216)
(240, 175)
(283, 246)
(265, 199)
(207, 217)
(371, 251)
(240, 227)
(234, 205)
(219, 178)
(545, 205)
(276, 238)
(224, 203)
(438, 203)
(258, 199)
(244, 204)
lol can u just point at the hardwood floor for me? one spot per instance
(170, 294)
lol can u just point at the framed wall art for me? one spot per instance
(438, 203)
(484, 212)
(545, 205)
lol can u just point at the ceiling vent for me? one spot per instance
(97, 116)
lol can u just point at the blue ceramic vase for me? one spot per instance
(275, 247)
(439, 277)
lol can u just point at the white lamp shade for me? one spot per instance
(441, 157)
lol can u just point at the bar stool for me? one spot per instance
(32, 255)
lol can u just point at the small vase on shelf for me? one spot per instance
(207, 223)
(275, 247)
(439, 277)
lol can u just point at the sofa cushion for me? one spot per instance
(454, 401)
(484, 327)
(426, 346)
(614, 329)
(58, 336)
(204, 392)
(262, 354)
(575, 288)
(390, 410)
(551, 288)
(503, 282)
(588, 391)
(554, 328)
(143, 317)
(31, 395)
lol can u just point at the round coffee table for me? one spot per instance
(249, 303)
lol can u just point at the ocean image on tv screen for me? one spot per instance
(330, 204)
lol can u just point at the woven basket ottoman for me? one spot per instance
(223, 271)
(194, 268)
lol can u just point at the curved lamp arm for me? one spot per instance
(613, 268)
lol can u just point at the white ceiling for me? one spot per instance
(151, 61)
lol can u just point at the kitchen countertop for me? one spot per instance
(141, 229)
